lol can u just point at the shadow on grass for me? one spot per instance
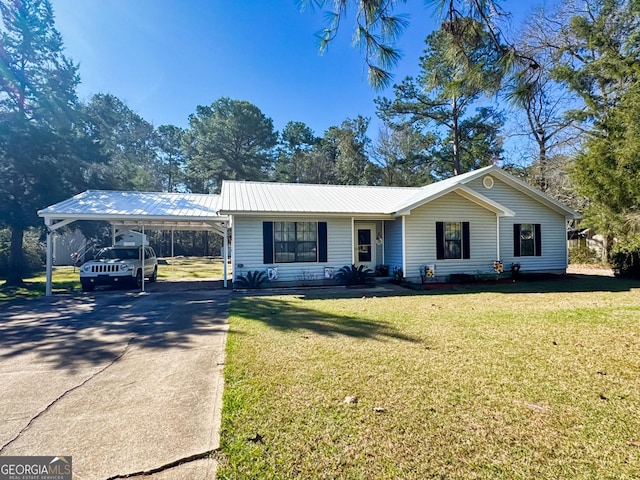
(293, 317)
(72, 331)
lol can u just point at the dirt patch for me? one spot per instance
(585, 269)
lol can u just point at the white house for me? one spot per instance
(302, 233)
(460, 225)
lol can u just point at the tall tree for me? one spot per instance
(127, 140)
(454, 74)
(403, 154)
(599, 60)
(229, 139)
(296, 143)
(171, 158)
(37, 98)
(348, 144)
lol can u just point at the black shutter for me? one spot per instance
(439, 240)
(516, 239)
(322, 241)
(538, 239)
(267, 242)
(466, 241)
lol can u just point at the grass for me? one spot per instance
(66, 279)
(521, 381)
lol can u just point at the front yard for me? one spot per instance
(523, 381)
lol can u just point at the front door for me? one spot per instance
(365, 237)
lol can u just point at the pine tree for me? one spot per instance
(37, 121)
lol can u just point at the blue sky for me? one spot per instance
(165, 57)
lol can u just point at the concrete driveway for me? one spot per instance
(125, 383)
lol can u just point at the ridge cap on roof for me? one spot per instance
(295, 184)
(136, 192)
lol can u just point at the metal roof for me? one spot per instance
(238, 197)
(263, 197)
(180, 209)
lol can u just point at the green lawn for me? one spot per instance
(67, 279)
(499, 382)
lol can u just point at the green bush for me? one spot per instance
(581, 254)
(33, 250)
(352, 275)
(251, 279)
(625, 258)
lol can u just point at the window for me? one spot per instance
(288, 242)
(527, 240)
(295, 242)
(452, 240)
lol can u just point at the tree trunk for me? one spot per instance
(14, 275)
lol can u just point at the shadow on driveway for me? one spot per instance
(66, 331)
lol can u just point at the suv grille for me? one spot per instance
(110, 268)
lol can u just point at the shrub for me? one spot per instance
(251, 280)
(625, 259)
(33, 251)
(352, 275)
(581, 253)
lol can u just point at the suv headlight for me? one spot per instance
(85, 268)
(125, 266)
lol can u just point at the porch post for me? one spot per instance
(404, 248)
(49, 267)
(353, 241)
(225, 254)
(497, 236)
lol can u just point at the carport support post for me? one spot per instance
(48, 290)
(142, 251)
(226, 255)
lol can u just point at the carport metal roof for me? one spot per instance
(153, 210)
(180, 211)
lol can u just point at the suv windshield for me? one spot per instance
(118, 254)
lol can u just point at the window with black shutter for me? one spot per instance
(527, 240)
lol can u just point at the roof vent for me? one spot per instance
(487, 182)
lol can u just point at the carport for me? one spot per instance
(141, 210)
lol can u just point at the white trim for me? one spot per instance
(404, 248)
(383, 238)
(353, 241)
(49, 263)
(497, 237)
(225, 255)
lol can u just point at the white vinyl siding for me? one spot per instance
(421, 237)
(393, 243)
(248, 251)
(553, 228)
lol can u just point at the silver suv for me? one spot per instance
(119, 265)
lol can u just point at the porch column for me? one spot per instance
(49, 267)
(353, 241)
(497, 236)
(225, 253)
